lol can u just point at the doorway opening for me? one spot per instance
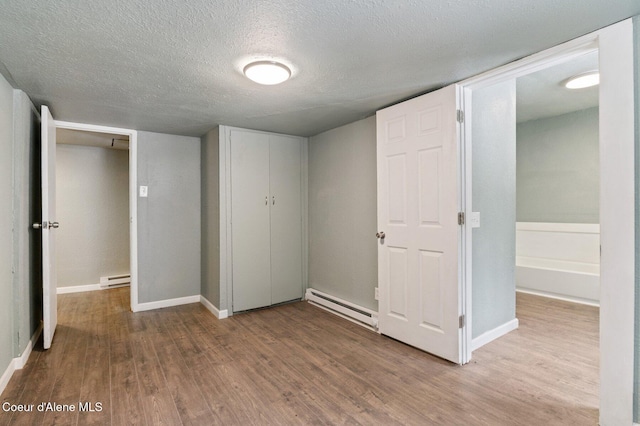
(616, 207)
(111, 154)
(557, 242)
(92, 198)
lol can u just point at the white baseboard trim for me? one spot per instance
(167, 303)
(6, 376)
(78, 288)
(220, 314)
(564, 298)
(492, 335)
(18, 363)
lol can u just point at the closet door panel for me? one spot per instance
(286, 218)
(250, 225)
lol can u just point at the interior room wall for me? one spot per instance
(210, 150)
(7, 308)
(27, 260)
(636, 44)
(558, 174)
(92, 202)
(343, 255)
(169, 221)
(494, 196)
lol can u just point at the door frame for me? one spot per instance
(617, 201)
(133, 199)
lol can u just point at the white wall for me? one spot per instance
(92, 203)
(343, 253)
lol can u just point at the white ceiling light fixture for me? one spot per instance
(581, 81)
(267, 72)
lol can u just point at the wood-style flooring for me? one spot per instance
(297, 364)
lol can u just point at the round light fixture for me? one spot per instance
(581, 81)
(267, 72)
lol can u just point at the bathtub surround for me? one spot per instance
(558, 190)
(559, 260)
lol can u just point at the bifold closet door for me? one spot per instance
(286, 218)
(250, 205)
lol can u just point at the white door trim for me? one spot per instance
(133, 199)
(617, 201)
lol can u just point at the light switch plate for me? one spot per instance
(144, 191)
(475, 219)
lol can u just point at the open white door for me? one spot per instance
(48, 226)
(418, 187)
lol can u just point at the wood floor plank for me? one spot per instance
(126, 402)
(191, 406)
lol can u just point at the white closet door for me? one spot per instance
(250, 203)
(286, 218)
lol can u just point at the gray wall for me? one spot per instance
(210, 150)
(169, 218)
(6, 242)
(558, 173)
(92, 199)
(494, 196)
(27, 260)
(20, 285)
(343, 255)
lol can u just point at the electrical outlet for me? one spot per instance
(376, 294)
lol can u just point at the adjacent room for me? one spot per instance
(92, 196)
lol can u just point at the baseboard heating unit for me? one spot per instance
(115, 281)
(350, 311)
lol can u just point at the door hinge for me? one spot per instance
(460, 116)
(461, 321)
(461, 218)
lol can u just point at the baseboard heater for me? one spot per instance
(350, 311)
(115, 281)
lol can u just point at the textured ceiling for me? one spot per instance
(542, 94)
(175, 66)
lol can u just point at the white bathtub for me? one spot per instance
(560, 260)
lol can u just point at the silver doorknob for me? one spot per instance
(380, 235)
(37, 225)
(57, 225)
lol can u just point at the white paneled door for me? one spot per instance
(418, 203)
(48, 227)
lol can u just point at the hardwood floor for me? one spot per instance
(297, 364)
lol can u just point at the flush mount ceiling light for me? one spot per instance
(581, 81)
(267, 72)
